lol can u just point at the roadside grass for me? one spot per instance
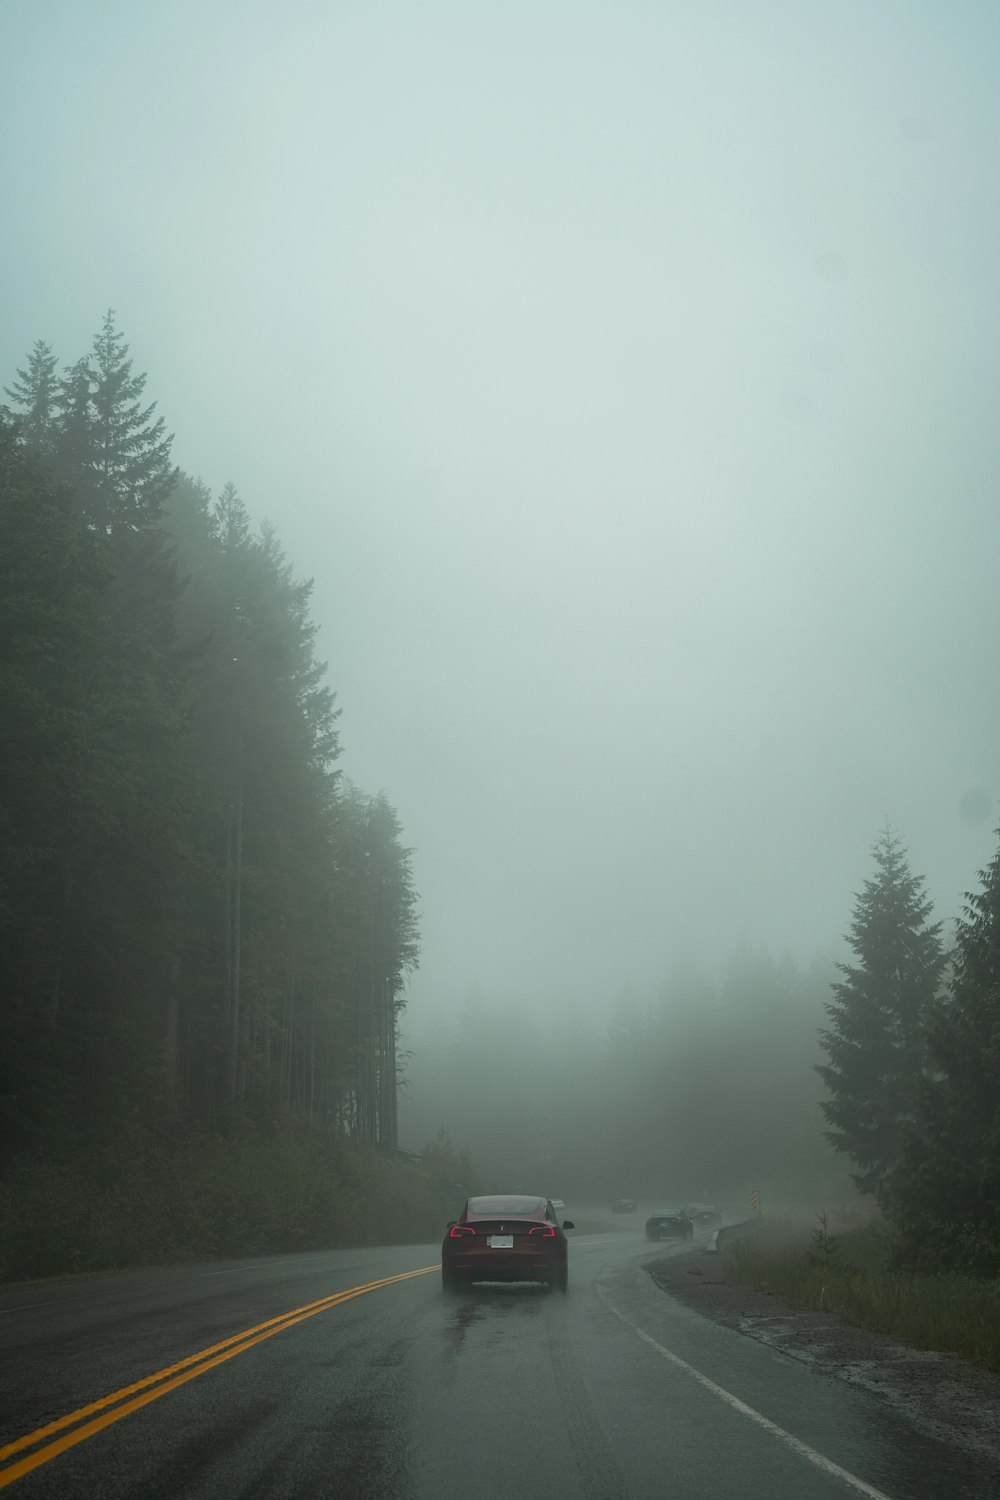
(852, 1276)
(137, 1202)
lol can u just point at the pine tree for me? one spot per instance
(382, 948)
(35, 394)
(946, 1194)
(74, 441)
(392, 952)
(875, 1043)
(52, 579)
(230, 521)
(131, 452)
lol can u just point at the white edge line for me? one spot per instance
(796, 1444)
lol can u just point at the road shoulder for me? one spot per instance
(943, 1395)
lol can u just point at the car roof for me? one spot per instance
(659, 1211)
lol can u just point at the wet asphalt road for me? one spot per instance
(613, 1390)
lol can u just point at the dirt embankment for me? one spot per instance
(942, 1394)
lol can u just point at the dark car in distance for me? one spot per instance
(624, 1206)
(669, 1224)
(505, 1237)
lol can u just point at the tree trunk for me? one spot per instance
(170, 1049)
(235, 933)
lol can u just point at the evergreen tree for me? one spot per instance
(379, 948)
(35, 394)
(127, 860)
(230, 520)
(946, 1194)
(52, 582)
(265, 988)
(131, 450)
(200, 929)
(74, 441)
(875, 1042)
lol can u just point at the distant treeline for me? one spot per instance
(705, 1090)
(204, 929)
(712, 1090)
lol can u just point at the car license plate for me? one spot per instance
(501, 1241)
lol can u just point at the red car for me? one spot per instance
(505, 1238)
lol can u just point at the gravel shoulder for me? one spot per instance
(941, 1394)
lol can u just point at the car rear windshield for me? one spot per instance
(489, 1208)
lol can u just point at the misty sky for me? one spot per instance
(625, 375)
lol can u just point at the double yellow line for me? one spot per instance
(112, 1408)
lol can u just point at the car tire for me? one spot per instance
(560, 1281)
(450, 1282)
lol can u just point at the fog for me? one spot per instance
(624, 375)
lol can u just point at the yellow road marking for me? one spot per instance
(183, 1371)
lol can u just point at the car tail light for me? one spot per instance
(458, 1230)
(545, 1230)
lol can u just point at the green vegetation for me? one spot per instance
(144, 1202)
(698, 1092)
(205, 930)
(875, 1042)
(946, 1193)
(853, 1275)
(913, 1071)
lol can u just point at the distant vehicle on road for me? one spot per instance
(558, 1204)
(624, 1206)
(505, 1238)
(704, 1215)
(669, 1224)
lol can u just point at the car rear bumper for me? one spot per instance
(500, 1265)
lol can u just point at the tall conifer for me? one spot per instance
(946, 1194)
(131, 449)
(73, 445)
(35, 394)
(875, 1042)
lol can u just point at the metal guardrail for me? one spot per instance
(732, 1233)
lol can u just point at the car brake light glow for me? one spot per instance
(545, 1230)
(457, 1230)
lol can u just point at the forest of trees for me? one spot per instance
(205, 932)
(706, 1089)
(205, 929)
(868, 1086)
(913, 1048)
